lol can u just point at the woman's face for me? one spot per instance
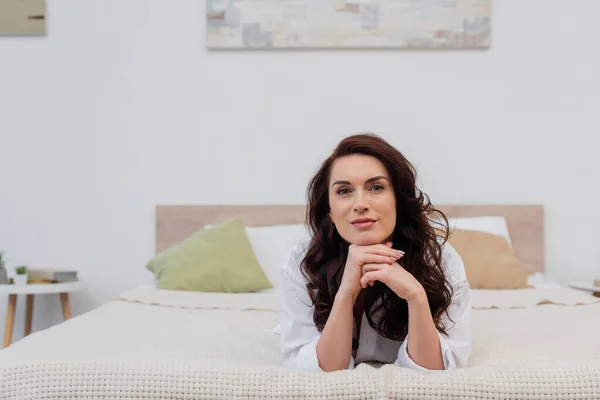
(361, 200)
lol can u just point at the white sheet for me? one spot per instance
(171, 345)
(542, 281)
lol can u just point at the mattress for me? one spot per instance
(537, 343)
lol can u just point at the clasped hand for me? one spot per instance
(367, 264)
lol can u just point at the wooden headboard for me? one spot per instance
(525, 223)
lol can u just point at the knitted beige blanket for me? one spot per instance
(152, 344)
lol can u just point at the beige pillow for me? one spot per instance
(490, 263)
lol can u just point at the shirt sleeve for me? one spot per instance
(456, 345)
(299, 334)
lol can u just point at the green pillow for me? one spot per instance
(216, 259)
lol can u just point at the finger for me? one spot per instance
(388, 248)
(376, 259)
(381, 250)
(372, 267)
(370, 276)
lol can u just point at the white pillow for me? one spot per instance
(493, 225)
(271, 245)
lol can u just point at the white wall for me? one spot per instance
(121, 107)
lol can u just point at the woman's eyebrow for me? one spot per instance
(376, 178)
(373, 179)
(341, 183)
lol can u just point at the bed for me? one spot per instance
(536, 343)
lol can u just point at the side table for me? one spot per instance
(62, 289)
(587, 286)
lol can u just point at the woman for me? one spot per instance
(377, 281)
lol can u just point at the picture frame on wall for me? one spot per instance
(22, 17)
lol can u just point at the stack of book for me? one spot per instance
(50, 275)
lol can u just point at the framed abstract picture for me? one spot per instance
(288, 24)
(23, 17)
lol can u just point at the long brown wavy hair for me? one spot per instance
(419, 226)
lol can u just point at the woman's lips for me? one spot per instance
(363, 223)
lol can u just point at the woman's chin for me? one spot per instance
(367, 239)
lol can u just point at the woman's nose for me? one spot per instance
(360, 205)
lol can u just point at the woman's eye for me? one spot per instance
(343, 191)
(377, 188)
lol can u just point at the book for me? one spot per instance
(52, 274)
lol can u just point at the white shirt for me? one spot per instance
(299, 335)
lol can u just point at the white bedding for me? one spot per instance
(153, 344)
(541, 280)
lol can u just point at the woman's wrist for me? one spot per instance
(418, 298)
(344, 297)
